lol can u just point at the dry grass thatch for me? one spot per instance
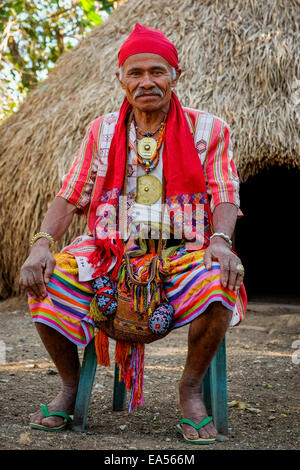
(240, 60)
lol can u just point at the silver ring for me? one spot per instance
(240, 267)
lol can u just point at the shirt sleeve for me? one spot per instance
(78, 184)
(219, 168)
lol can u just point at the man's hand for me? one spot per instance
(37, 270)
(219, 250)
(39, 266)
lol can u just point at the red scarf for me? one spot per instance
(185, 181)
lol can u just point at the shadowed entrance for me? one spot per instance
(267, 237)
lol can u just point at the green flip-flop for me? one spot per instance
(199, 441)
(62, 414)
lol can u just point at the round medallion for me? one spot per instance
(148, 190)
(146, 147)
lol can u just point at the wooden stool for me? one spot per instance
(214, 389)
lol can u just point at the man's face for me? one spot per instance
(147, 81)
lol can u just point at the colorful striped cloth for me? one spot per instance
(67, 304)
(189, 288)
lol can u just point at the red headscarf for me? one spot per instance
(143, 39)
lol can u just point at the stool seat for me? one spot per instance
(214, 389)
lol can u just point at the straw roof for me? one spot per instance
(240, 61)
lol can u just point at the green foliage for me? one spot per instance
(33, 35)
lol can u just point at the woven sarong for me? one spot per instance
(67, 304)
(189, 287)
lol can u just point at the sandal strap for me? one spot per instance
(61, 414)
(205, 421)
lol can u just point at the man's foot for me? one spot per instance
(65, 401)
(192, 407)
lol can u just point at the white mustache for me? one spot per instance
(153, 91)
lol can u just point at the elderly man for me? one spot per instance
(192, 152)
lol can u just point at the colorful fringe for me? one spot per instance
(130, 360)
(102, 349)
(141, 296)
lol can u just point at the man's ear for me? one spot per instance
(175, 80)
(120, 80)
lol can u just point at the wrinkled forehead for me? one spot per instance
(145, 61)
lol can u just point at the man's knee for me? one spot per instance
(215, 318)
(219, 312)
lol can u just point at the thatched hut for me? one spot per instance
(240, 61)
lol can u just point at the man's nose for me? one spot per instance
(146, 81)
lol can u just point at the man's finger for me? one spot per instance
(29, 285)
(232, 280)
(39, 284)
(224, 271)
(27, 289)
(207, 259)
(33, 287)
(41, 289)
(239, 280)
(49, 270)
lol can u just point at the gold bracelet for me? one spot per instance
(42, 235)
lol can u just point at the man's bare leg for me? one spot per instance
(205, 336)
(65, 357)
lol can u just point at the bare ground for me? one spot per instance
(263, 384)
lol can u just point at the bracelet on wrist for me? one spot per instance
(222, 235)
(39, 235)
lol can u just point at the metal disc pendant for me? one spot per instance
(146, 147)
(149, 190)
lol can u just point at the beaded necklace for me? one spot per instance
(148, 134)
(148, 164)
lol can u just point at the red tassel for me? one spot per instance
(117, 248)
(103, 254)
(122, 357)
(122, 352)
(130, 359)
(102, 349)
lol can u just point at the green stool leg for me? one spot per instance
(87, 375)
(119, 396)
(217, 378)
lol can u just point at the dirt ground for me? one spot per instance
(263, 356)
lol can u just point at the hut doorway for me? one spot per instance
(267, 237)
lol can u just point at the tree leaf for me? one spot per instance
(87, 5)
(94, 17)
(244, 406)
